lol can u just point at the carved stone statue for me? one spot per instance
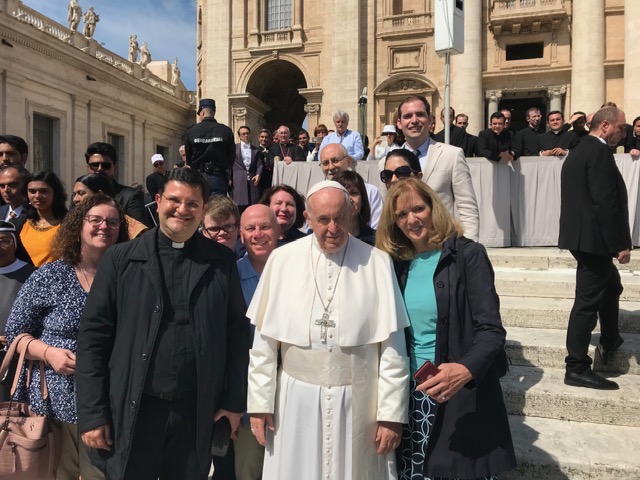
(145, 55)
(74, 15)
(175, 72)
(90, 19)
(133, 48)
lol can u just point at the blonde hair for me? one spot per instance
(390, 238)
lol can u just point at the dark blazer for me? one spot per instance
(470, 146)
(132, 202)
(594, 213)
(293, 151)
(457, 136)
(471, 436)
(491, 145)
(567, 140)
(242, 193)
(118, 331)
(526, 142)
(630, 143)
(4, 210)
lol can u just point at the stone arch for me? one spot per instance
(277, 84)
(390, 92)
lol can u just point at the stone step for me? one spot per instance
(545, 348)
(557, 283)
(540, 392)
(552, 449)
(535, 312)
(544, 257)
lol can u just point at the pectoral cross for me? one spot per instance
(324, 324)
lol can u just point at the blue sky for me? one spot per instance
(168, 27)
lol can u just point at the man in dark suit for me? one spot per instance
(494, 143)
(526, 140)
(594, 226)
(632, 142)
(102, 158)
(558, 140)
(247, 170)
(283, 150)
(471, 142)
(457, 135)
(13, 189)
(163, 347)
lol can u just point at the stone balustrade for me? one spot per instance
(88, 45)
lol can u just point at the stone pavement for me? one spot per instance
(563, 432)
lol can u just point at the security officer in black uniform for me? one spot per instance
(210, 148)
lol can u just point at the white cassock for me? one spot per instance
(330, 392)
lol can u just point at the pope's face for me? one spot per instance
(329, 216)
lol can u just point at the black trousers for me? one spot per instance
(598, 289)
(164, 441)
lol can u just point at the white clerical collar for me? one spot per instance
(14, 267)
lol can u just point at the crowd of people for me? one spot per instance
(332, 335)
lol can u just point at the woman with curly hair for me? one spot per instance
(97, 183)
(46, 209)
(49, 307)
(288, 206)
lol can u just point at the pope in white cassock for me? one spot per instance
(331, 306)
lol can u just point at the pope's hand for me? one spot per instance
(258, 422)
(388, 437)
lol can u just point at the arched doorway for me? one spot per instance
(276, 83)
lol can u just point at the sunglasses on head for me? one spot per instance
(401, 172)
(104, 165)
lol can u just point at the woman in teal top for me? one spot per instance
(458, 425)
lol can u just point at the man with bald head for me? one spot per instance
(259, 232)
(283, 150)
(335, 158)
(335, 408)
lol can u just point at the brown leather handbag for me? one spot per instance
(27, 441)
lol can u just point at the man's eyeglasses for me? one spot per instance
(228, 228)
(401, 172)
(96, 221)
(96, 165)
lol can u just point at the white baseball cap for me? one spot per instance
(157, 158)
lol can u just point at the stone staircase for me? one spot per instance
(563, 432)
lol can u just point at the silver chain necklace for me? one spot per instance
(324, 323)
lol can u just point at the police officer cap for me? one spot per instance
(207, 103)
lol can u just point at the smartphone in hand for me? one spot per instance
(424, 371)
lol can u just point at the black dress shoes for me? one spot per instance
(605, 354)
(589, 379)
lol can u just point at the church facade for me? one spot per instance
(272, 62)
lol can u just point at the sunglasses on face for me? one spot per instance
(96, 165)
(401, 172)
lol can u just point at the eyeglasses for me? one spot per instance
(175, 203)
(96, 221)
(401, 172)
(6, 242)
(228, 228)
(96, 165)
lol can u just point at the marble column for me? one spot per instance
(493, 100)
(631, 59)
(466, 70)
(588, 55)
(555, 94)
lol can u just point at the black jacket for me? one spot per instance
(132, 202)
(565, 139)
(491, 145)
(210, 142)
(118, 331)
(594, 212)
(457, 136)
(526, 142)
(291, 150)
(471, 436)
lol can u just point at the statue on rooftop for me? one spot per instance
(175, 72)
(74, 15)
(133, 48)
(145, 55)
(90, 19)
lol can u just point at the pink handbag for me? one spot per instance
(27, 440)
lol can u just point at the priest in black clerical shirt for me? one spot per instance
(163, 345)
(494, 143)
